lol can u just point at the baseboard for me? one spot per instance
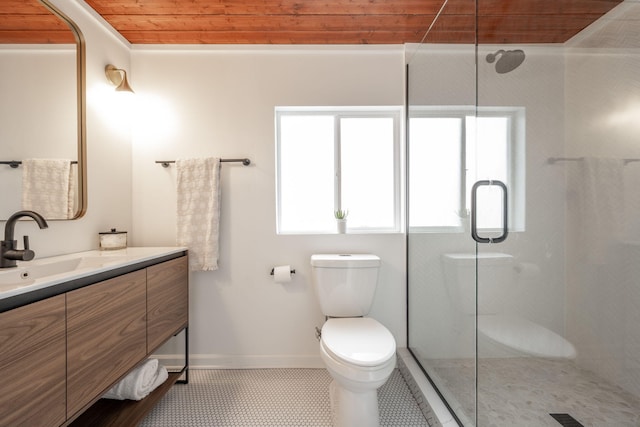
(217, 361)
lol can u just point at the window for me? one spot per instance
(338, 158)
(452, 148)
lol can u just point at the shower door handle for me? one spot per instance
(505, 209)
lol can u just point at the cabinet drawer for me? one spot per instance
(167, 300)
(32, 364)
(106, 335)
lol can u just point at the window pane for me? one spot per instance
(306, 176)
(367, 169)
(434, 172)
(487, 158)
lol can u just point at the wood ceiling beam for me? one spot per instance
(271, 37)
(278, 7)
(36, 37)
(389, 23)
(545, 7)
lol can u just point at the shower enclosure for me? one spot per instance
(524, 212)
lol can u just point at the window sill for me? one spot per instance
(334, 233)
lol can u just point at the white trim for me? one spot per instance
(305, 49)
(102, 23)
(38, 48)
(227, 361)
(393, 112)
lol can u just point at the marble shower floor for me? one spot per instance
(522, 392)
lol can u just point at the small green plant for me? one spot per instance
(341, 214)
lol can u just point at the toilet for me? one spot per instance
(499, 334)
(358, 351)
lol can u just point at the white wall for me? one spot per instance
(109, 152)
(604, 292)
(219, 101)
(200, 101)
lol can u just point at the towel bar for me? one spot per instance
(553, 160)
(15, 163)
(246, 162)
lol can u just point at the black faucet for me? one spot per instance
(9, 253)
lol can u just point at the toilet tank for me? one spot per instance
(345, 284)
(496, 281)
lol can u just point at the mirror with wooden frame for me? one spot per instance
(42, 111)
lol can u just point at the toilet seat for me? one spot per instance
(525, 336)
(361, 341)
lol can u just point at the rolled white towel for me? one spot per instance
(139, 382)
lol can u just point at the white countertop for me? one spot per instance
(42, 273)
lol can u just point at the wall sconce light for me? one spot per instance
(118, 78)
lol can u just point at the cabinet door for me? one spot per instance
(167, 300)
(32, 364)
(106, 336)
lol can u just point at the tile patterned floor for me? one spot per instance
(271, 398)
(523, 392)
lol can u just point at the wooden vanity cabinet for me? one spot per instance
(32, 364)
(60, 354)
(106, 336)
(167, 301)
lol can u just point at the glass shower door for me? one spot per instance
(557, 318)
(541, 328)
(441, 303)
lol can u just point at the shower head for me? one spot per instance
(509, 60)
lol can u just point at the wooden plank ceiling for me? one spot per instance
(28, 21)
(337, 21)
(348, 21)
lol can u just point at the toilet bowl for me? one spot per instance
(358, 351)
(359, 354)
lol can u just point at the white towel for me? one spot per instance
(139, 382)
(601, 205)
(45, 187)
(198, 210)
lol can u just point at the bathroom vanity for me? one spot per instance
(72, 326)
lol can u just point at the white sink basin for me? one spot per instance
(45, 268)
(26, 274)
(14, 277)
(41, 273)
(38, 271)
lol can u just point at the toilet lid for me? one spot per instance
(358, 340)
(525, 336)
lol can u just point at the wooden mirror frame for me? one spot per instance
(39, 22)
(81, 112)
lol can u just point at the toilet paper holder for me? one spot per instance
(293, 271)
